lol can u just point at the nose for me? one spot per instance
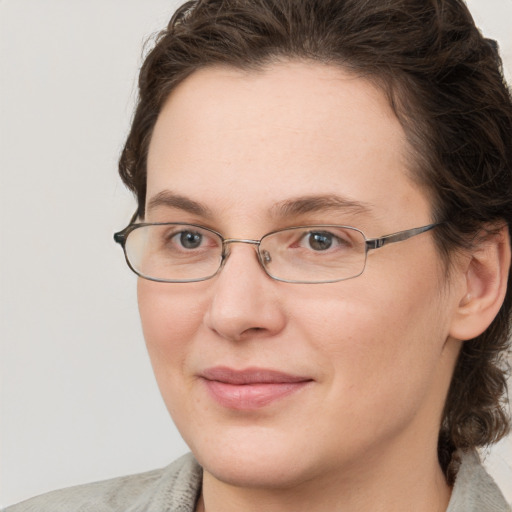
(245, 300)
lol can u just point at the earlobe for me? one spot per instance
(485, 284)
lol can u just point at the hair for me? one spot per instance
(445, 83)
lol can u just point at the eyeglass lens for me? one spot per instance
(180, 253)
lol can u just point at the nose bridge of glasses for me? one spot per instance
(229, 241)
(255, 243)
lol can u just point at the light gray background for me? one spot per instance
(78, 398)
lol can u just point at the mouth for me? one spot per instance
(252, 388)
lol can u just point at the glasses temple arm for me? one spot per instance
(377, 243)
(120, 236)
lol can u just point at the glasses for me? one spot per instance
(183, 253)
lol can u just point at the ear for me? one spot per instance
(485, 275)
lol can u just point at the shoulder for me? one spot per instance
(474, 489)
(174, 488)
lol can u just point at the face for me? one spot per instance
(272, 383)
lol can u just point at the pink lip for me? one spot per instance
(251, 388)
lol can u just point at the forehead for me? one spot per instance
(246, 140)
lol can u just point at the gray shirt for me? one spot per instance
(176, 489)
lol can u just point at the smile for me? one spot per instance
(252, 388)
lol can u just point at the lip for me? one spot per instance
(251, 388)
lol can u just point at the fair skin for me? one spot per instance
(375, 353)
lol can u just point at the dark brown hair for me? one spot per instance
(444, 81)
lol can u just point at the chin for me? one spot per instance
(257, 472)
(256, 459)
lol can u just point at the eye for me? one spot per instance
(319, 241)
(189, 239)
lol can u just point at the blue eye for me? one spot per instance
(319, 241)
(190, 239)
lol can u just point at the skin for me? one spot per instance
(379, 349)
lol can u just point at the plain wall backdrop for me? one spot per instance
(78, 399)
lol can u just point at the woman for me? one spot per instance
(323, 243)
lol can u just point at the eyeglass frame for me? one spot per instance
(120, 237)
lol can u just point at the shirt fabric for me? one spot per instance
(176, 488)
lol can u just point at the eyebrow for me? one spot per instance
(287, 208)
(321, 203)
(171, 200)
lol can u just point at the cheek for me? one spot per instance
(379, 339)
(171, 315)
